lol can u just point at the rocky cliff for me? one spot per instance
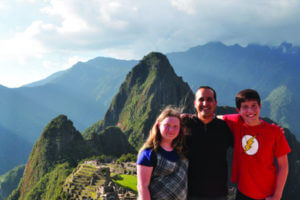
(150, 86)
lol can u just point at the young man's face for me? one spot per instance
(250, 110)
(205, 103)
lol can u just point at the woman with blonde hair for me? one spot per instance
(161, 165)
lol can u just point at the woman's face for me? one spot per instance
(169, 128)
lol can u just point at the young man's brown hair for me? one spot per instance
(245, 95)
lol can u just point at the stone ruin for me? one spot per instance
(108, 190)
(112, 191)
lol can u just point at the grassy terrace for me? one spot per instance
(126, 181)
(84, 181)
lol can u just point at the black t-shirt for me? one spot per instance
(206, 147)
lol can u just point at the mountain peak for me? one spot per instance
(285, 47)
(151, 85)
(155, 61)
(60, 142)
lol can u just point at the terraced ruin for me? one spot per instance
(93, 181)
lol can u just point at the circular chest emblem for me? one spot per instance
(250, 144)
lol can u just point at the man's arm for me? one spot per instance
(144, 175)
(283, 169)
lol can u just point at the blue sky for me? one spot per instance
(40, 37)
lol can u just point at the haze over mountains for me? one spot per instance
(85, 91)
(150, 85)
(82, 92)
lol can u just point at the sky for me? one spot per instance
(41, 37)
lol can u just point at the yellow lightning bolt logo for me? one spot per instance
(249, 144)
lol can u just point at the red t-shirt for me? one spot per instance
(255, 148)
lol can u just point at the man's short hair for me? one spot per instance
(207, 87)
(245, 95)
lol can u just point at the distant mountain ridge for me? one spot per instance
(14, 150)
(82, 92)
(9, 181)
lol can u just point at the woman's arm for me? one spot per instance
(144, 176)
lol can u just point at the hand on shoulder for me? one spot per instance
(278, 126)
(219, 117)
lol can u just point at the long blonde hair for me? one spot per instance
(154, 138)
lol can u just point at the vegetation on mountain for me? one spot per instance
(277, 101)
(84, 92)
(58, 150)
(14, 150)
(9, 181)
(55, 167)
(50, 185)
(110, 142)
(129, 157)
(151, 85)
(126, 181)
(59, 143)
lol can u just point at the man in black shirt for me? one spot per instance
(207, 142)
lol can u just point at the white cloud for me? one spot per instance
(165, 25)
(133, 28)
(23, 45)
(26, 1)
(3, 5)
(188, 6)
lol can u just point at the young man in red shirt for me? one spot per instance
(256, 145)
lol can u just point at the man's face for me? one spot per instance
(250, 111)
(205, 103)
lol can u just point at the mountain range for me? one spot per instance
(148, 87)
(84, 92)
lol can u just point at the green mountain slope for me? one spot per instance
(151, 85)
(59, 146)
(281, 105)
(82, 92)
(111, 142)
(14, 150)
(9, 181)
(55, 154)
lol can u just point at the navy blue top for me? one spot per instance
(148, 157)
